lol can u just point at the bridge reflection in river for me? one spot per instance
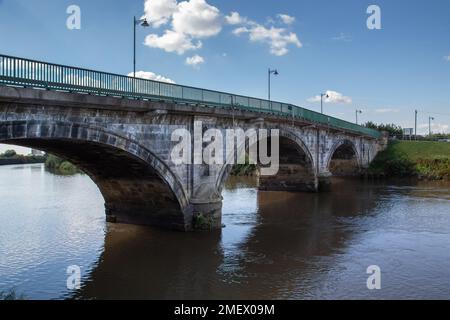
(275, 245)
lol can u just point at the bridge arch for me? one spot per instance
(136, 185)
(344, 158)
(297, 167)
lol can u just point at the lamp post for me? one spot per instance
(358, 112)
(232, 107)
(429, 125)
(275, 73)
(321, 100)
(143, 23)
(415, 125)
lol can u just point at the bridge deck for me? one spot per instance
(16, 71)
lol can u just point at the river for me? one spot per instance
(275, 245)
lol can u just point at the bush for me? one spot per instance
(68, 168)
(52, 162)
(59, 166)
(400, 167)
(434, 168)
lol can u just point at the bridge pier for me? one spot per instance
(324, 181)
(207, 216)
(199, 216)
(132, 213)
(291, 178)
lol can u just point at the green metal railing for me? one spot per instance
(30, 73)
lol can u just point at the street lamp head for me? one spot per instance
(145, 23)
(274, 72)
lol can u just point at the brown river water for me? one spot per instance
(275, 245)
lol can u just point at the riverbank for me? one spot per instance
(421, 159)
(16, 159)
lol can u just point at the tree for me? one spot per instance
(393, 129)
(10, 154)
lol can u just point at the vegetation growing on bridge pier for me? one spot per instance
(245, 169)
(422, 159)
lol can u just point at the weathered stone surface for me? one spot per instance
(125, 145)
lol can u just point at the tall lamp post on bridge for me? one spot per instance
(321, 100)
(358, 112)
(143, 23)
(275, 73)
(429, 125)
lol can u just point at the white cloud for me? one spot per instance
(447, 58)
(235, 18)
(240, 30)
(151, 76)
(193, 20)
(172, 41)
(343, 37)
(195, 61)
(159, 12)
(333, 97)
(287, 19)
(190, 21)
(197, 18)
(386, 110)
(278, 38)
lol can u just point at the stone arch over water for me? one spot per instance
(136, 185)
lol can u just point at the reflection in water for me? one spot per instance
(47, 223)
(275, 245)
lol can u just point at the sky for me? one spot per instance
(318, 46)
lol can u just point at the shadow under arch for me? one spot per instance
(137, 187)
(344, 159)
(297, 170)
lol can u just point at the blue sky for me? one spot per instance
(387, 73)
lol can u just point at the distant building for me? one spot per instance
(35, 152)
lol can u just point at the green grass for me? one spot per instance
(406, 158)
(420, 150)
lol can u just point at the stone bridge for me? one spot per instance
(118, 130)
(125, 145)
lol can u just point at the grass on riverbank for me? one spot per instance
(430, 160)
